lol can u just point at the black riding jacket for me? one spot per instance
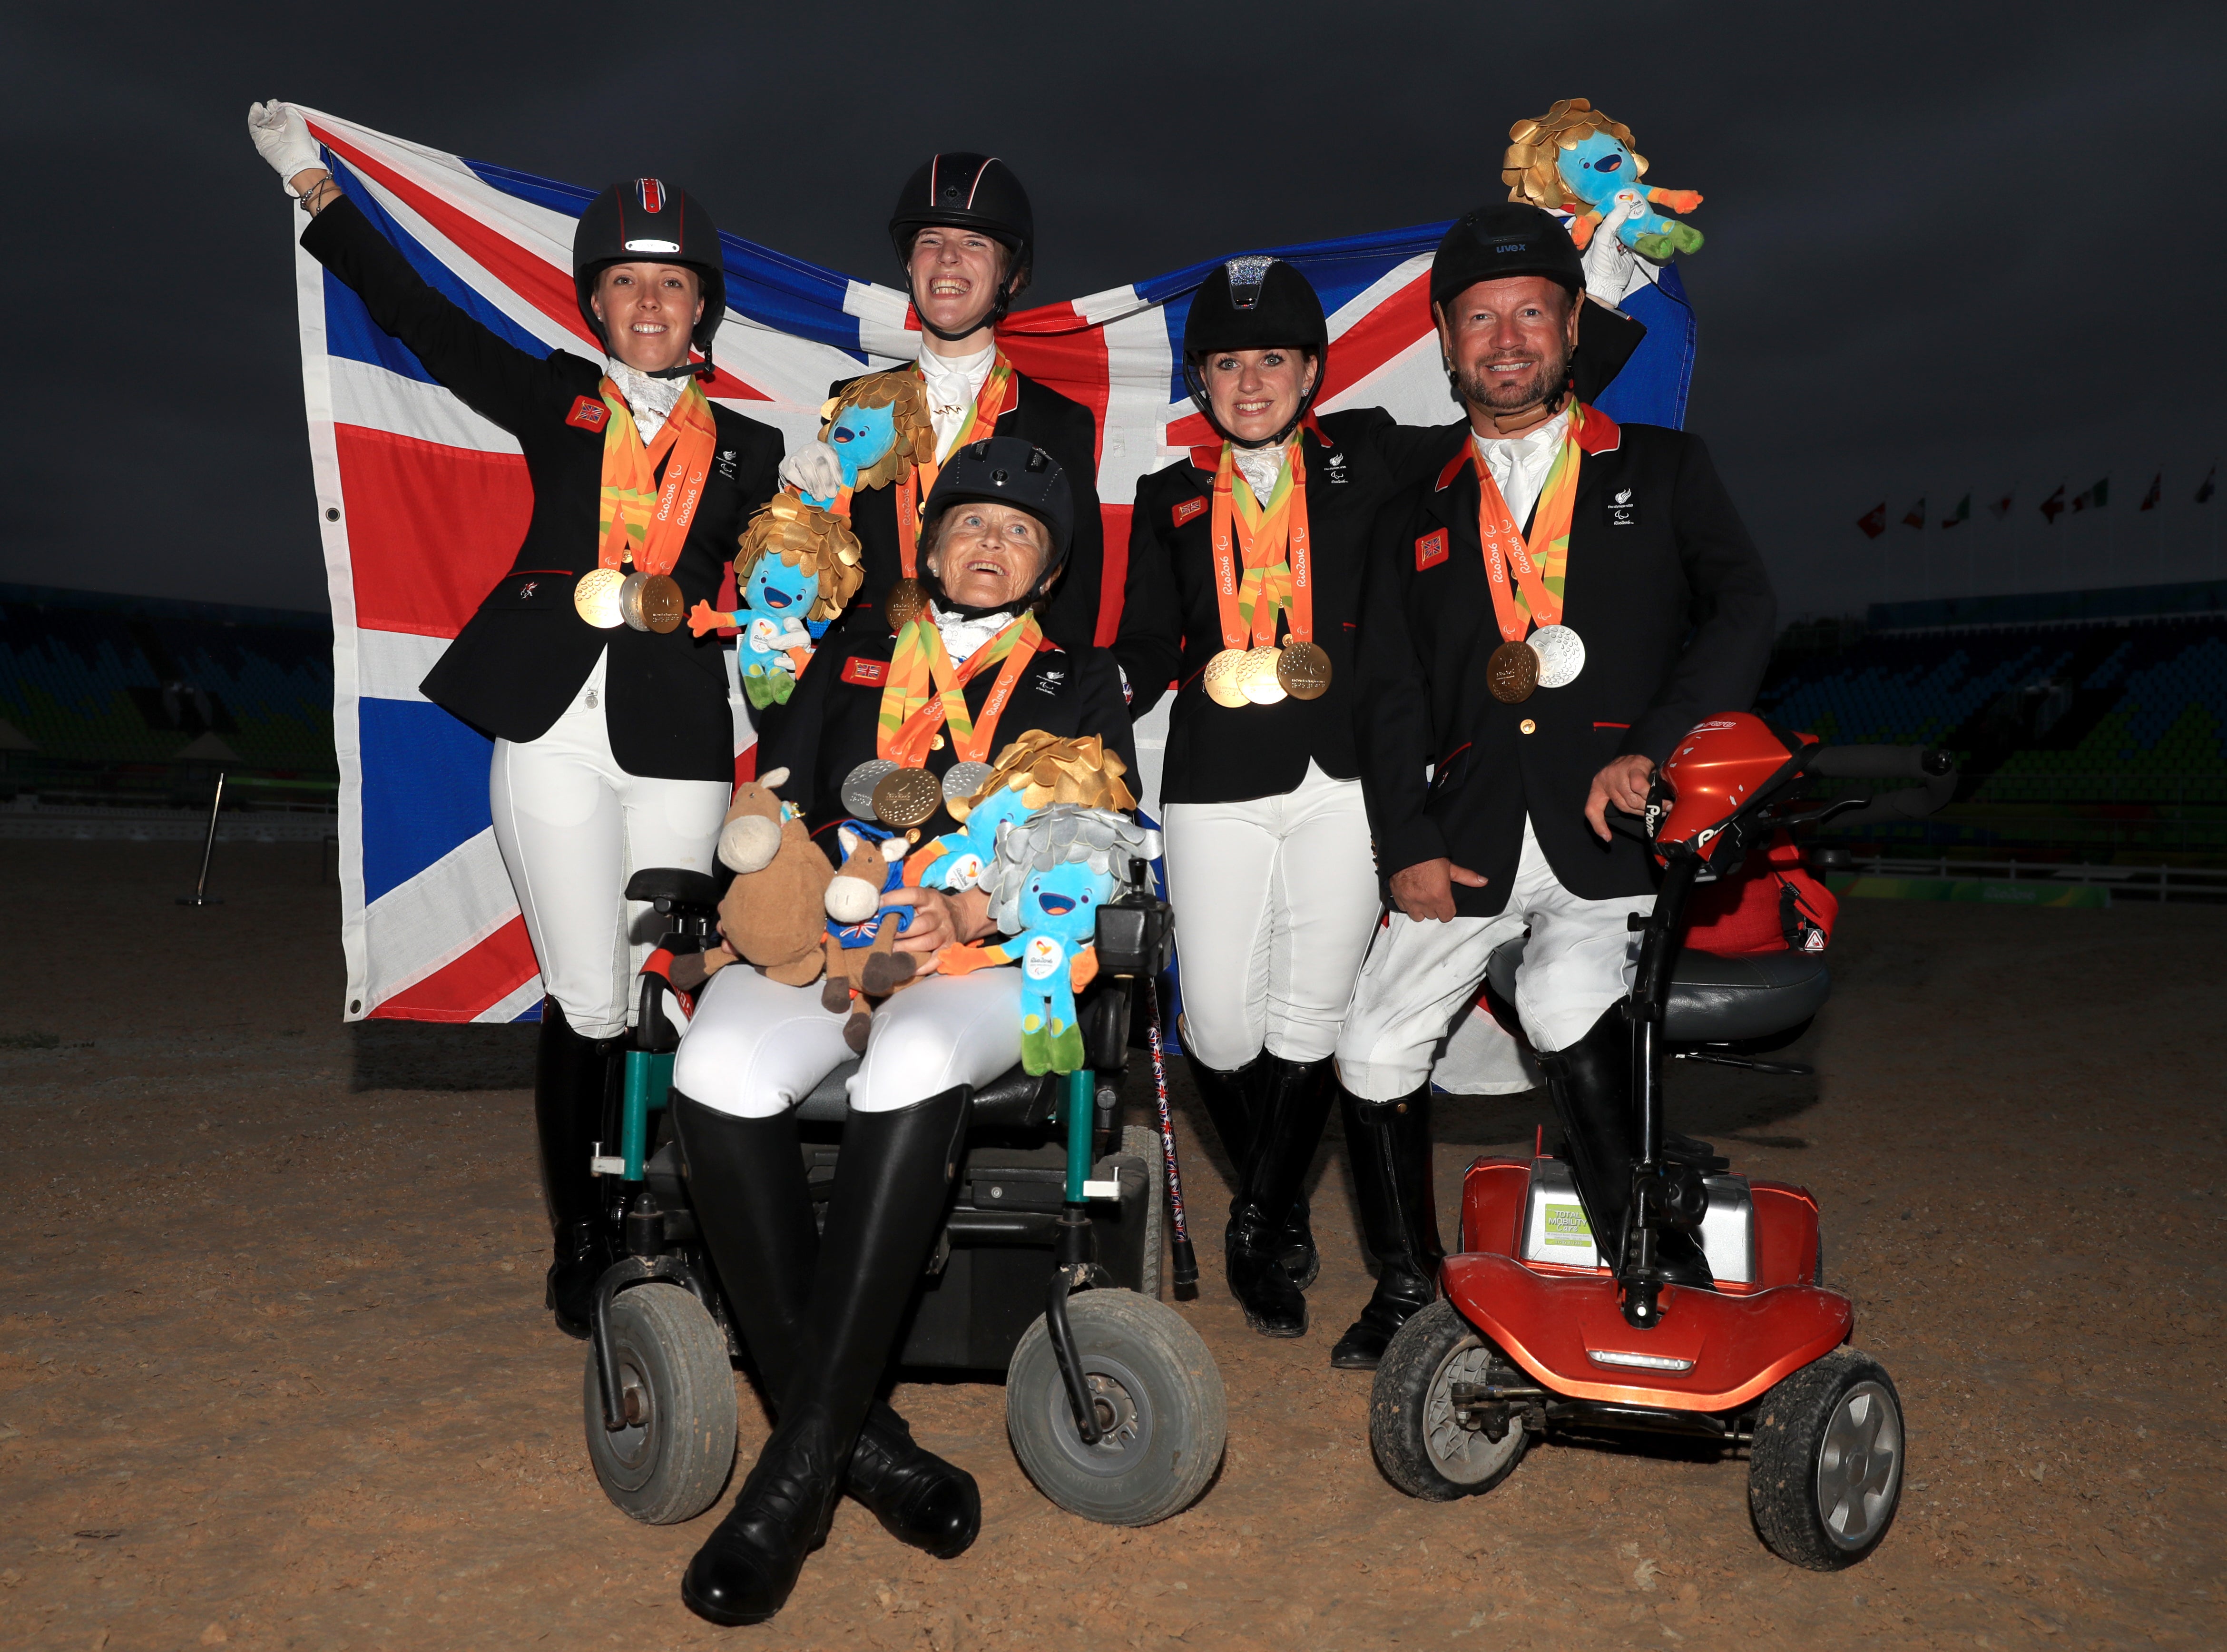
(1675, 611)
(519, 661)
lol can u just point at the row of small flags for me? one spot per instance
(2094, 498)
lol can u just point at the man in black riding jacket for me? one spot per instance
(1548, 612)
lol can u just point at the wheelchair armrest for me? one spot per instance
(1136, 935)
(1103, 1014)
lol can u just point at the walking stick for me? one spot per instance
(1186, 1260)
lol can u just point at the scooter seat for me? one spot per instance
(1714, 999)
(1013, 1098)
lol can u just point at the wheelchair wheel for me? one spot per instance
(1420, 1444)
(1160, 1400)
(669, 1463)
(1824, 1474)
(1143, 1144)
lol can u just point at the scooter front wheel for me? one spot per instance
(1159, 1401)
(1824, 1475)
(1421, 1443)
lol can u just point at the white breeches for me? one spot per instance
(1275, 900)
(1421, 977)
(572, 827)
(756, 1048)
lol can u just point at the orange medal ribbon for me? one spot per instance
(1277, 565)
(910, 715)
(989, 406)
(640, 520)
(1538, 566)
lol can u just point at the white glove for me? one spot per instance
(1609, 264)
(281, 137)
(812, 471)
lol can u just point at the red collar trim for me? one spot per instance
(1598, 434)
(1210, 457)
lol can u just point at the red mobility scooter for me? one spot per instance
(1705, 1315)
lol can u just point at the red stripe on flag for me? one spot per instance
(1114, 583)
(1374, 339)
(431, 527)
(470, 986)
(539, 283)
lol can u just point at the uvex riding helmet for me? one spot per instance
(648, 221)
(962, 190)
(1503, 239)
(1254, 304)
(1007, 470)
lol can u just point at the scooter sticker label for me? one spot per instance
(1565, 1225)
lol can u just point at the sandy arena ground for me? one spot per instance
(274, 1370)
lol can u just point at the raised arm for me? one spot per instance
(494, 377)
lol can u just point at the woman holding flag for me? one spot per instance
(964, 229)
(883, 729)
(613, 745)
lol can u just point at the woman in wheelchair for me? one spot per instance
(890, 724)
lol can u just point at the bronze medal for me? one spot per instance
(659, 603)
(1512, 672)
(1304, 671)
(1220, 678)
(1256, 675)
(904, 798)
(595, 598)
(906, 602)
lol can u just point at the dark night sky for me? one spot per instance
(1951, 248)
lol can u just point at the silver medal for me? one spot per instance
(858, 786)
(1561, 655)
(964, 780)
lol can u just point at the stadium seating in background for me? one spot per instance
(2074, 699)
(92, 681)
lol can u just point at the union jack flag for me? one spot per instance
(431, 927)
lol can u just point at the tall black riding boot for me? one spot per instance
(1294, 1101)
(574, 1079)
(1388, 1144)
(891, 1185)
(747, 1177)
(1232, 1101)
(1591, 1082)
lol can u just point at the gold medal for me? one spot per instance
(906, 602)
(904, 798)
(1512, 672)
(1304, 670)
(595, 598)
(1256, 675)
(1220, 678)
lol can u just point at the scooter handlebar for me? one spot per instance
(1880, 763)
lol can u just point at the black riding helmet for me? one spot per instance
(1005, 470)
(647, 222)
(967, 191)
(1254, 304)
(1499, 240)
